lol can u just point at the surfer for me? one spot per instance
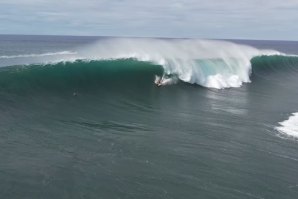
(166, 79)
(159, 83)
(158, 80)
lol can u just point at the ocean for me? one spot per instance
(83, 117)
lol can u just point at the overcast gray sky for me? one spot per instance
(245, 19)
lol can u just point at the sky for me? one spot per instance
(222, 19)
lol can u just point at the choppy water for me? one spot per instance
(81, 117)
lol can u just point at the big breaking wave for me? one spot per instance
(209, 63)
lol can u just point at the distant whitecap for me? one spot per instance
(289, 126)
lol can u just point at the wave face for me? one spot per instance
(289, 127)
(80, 74)
(278, 63)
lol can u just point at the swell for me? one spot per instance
(83, 74)
(263, 65)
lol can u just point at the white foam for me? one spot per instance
(290, 126)
(210, 63)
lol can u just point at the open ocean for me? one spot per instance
(81, 117)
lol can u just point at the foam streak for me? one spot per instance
(37, 55)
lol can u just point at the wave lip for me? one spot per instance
(290, 126)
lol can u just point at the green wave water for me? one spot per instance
(274, 63)
(78, 74)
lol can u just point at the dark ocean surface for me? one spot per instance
(81, 117)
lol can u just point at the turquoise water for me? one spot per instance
(103, 129)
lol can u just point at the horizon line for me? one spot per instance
(152, 37)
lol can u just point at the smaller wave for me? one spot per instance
(289, 127)
(38, 55)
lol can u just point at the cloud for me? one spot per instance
(257, 19)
